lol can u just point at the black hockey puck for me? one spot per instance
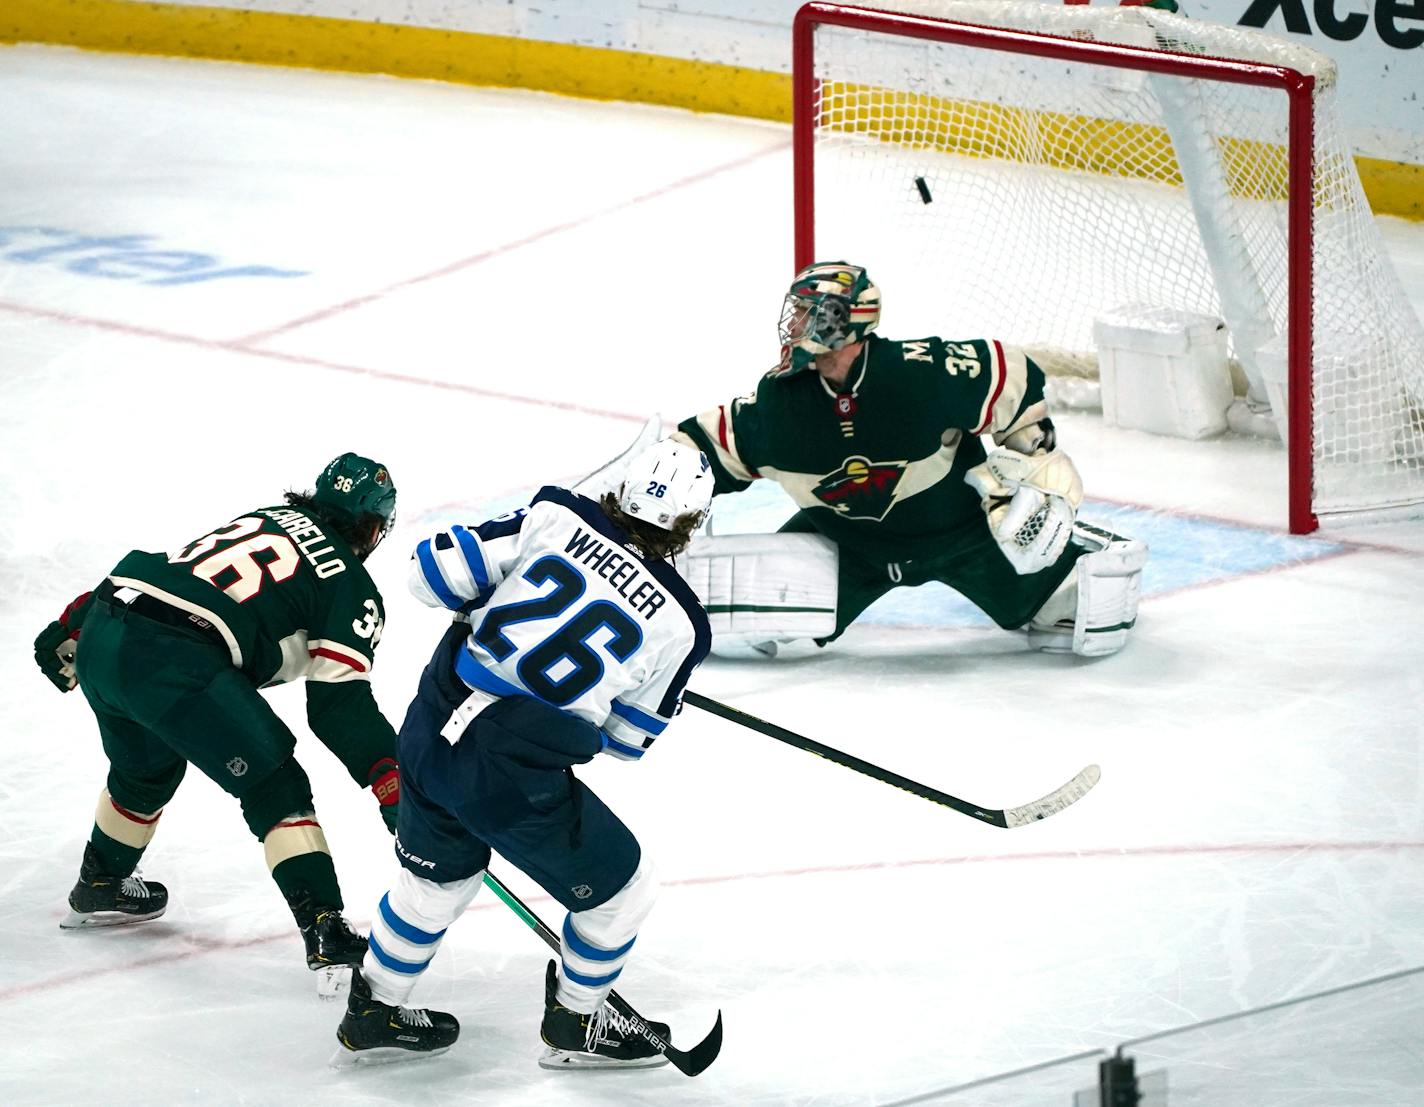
(924, 189)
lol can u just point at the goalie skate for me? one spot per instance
(603, 1040)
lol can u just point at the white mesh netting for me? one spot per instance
(990, 192)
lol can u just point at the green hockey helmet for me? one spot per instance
(830, 304)
(353, 487)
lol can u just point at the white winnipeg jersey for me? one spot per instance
(563, 610)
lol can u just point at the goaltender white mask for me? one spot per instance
(666, 481)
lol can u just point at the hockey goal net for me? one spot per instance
(1015, 169)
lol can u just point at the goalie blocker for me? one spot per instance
(763, 589)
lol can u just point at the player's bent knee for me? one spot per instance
(145, 793)
(1095, 609)
(615, 921)
(431, 907)
(282, 792)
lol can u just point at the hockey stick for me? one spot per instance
(689, 1062)
(1050, 804)
(594, 483)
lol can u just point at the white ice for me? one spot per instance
(496, 288)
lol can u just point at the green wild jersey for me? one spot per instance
(290, 597)
(879, 466)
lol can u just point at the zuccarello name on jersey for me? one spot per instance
(307, 535)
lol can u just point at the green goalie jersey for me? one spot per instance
(878, 466)
(290, 599)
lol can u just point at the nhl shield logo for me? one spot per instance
(583, 891)
(237, 766)
(861, 488)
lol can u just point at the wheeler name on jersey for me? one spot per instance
(621, 572)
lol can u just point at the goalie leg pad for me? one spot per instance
(1094, 610)
(760, 589)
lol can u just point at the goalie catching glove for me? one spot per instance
(55, 645)
(1031, 502)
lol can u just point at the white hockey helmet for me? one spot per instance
(664, 481)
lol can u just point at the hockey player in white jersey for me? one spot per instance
(574, 635)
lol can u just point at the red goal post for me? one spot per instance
(1292, 202)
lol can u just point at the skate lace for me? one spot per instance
(134, 886)
(414, 1016)
(607, 1026)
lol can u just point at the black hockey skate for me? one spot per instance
(333, 948)
(603, 1040)
(102, 899)
(330, 940)
(374, 1033)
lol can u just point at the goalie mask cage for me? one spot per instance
(1014, 169)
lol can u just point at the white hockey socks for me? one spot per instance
(596, 943)
(410, 921)
(1095, 608)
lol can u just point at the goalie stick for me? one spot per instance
(601, 479)
(688, 1062)
(1010, 817)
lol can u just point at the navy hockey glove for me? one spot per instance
(384, 779)
(55, 645)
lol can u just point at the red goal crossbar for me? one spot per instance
(1298, 87)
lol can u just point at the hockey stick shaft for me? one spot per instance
(689, 1062)
(1031, 812)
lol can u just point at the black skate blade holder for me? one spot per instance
(689, 1062)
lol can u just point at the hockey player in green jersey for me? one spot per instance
(877, 442)
(171, 650)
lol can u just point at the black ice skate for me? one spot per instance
(330, 939)
(333, 948)
(374, 1033)
(602, 1040)
(102, 899)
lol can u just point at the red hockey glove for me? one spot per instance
(54, 646)
(384, 779)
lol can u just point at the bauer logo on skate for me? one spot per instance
(861, 488)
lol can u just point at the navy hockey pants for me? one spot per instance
(506, 783)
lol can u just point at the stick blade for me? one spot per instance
(1056, 800)
(694, 1060)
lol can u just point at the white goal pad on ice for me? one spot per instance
(1017, 169)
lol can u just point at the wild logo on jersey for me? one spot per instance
(861, 488)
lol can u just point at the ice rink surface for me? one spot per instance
(214, 278)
